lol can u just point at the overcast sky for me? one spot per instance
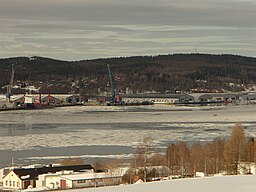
(85, 29)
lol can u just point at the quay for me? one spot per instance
(13, 108)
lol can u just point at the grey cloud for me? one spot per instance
(199, 12)
(97, 28)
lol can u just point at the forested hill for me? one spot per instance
(178, 72)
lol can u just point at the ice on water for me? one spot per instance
(121, 126)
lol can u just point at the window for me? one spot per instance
(10, 183)
(18, 184)
(6, 183)
(13, 183)
(80, 181)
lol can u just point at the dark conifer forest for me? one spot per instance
(163, 73)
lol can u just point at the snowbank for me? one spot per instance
(209, 184)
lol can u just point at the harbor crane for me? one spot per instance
(115, 99)
(9, 87)
(112, 86)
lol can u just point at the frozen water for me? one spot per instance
(118, 126)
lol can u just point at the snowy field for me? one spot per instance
(207, 184)
(76, 131)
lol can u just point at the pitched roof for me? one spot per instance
(76, 168)
(26, 174)
(32, 173)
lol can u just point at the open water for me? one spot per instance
(94, 132)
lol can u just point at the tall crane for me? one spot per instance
(112, 86)
(9, 87)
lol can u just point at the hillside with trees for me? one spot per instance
(163, 73)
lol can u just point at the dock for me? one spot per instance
(13, 108)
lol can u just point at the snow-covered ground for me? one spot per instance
(207, 184)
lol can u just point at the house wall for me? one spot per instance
(52, 182)
(186, 99)
(41, 181)
(248, 99)
(19, 101)
(12, 181)
(1, 175)
(154, 100)
(135, 100)
(92, 182)
(28, 183)
(205, 98)
(164, 100)
(72, 99)
(69, 183)
(52, 99)
(83, 183)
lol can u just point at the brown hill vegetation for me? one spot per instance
(178, 72)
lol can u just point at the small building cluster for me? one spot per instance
(194, 98)
(40, 99)
(59, 177)
(37, 100)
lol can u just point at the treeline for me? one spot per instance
(218, 156)
(178, 72)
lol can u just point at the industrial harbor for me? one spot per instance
(124, 138)
(128, 96)
(53, 129)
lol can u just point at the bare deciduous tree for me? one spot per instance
(183, 156)
(250, 150)
(142, 155)
(196, 158)
(235, 148)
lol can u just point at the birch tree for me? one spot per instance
(234, 151)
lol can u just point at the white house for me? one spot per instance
(68, 180)
(19, 179)
(1, 176)
(90, 180)
(53, 180)
(68, 99)
(23, 178)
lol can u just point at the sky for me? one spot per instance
(88, 29)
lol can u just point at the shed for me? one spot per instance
(90, 180)
(158, 98)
